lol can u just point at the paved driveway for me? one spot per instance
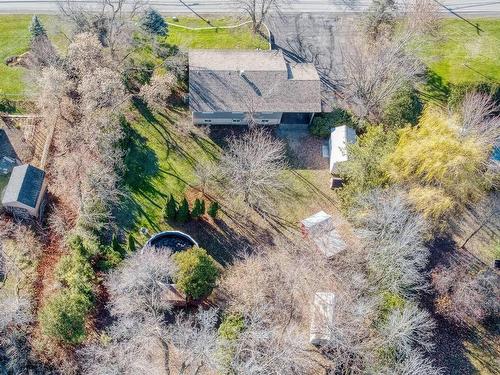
(316, 38)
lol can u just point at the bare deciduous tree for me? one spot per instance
(110, 20)
(415, 363)
(372, 73)
(266, 348)
(394, 234)
(138, 301)
(82, 100)
(138, 286)
(157, 92)
(478, 119)
(258, 10)
(252, 165)
(465, 297)
(408, 328)
(195, 341)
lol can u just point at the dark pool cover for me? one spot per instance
(175, 241)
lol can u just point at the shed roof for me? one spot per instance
(340, 137)
(321, 230)
(322, 318)
(243, 81)
(25, 185)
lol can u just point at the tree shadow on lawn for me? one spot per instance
(141, 166)
(170, 142)
(435, 89)
(224, 238)
(486, 339)
(450, 352)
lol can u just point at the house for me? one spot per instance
(25, 192)
(238, 87)
(322, 318)
(340, 138)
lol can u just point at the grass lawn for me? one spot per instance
(161, 160)
(14, 40)
(461, 55)
(241, 37)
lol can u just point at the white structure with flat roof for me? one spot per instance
(340, 138)
(322, 318)
(320, 229)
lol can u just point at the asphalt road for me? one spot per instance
(482, 7)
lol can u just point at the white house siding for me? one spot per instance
(235, 118)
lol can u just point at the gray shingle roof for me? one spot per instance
(242, 81)
(25, 185)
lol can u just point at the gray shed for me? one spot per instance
(25, 191)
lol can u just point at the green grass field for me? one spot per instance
(14, 40)
(160, 161)
(241, 37)
(462, 55)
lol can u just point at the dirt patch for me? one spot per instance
(305, 151)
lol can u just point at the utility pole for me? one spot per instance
(475, 25)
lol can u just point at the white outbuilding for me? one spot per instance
(320, 229)
(322, 318)
(340, 138)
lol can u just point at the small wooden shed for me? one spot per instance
(322, 318)
(25, 192)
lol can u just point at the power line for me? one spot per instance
(476, 26)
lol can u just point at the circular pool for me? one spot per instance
(173, 240)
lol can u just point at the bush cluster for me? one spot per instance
(197, 272)
(323, 124)
(63, 315)
(232, 325)
(6, 105)
(182, 213)
(405, 108)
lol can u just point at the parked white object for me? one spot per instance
(321, 230)
(322, 318)
(340, 137)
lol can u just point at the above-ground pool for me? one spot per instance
(173, 240)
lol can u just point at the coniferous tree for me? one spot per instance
(154, 23)
(213, 209)
(170, 211)
(202, 208)
(36, 28)
(183, 214)
(117, 246)
(131, 243)
(198, 208)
